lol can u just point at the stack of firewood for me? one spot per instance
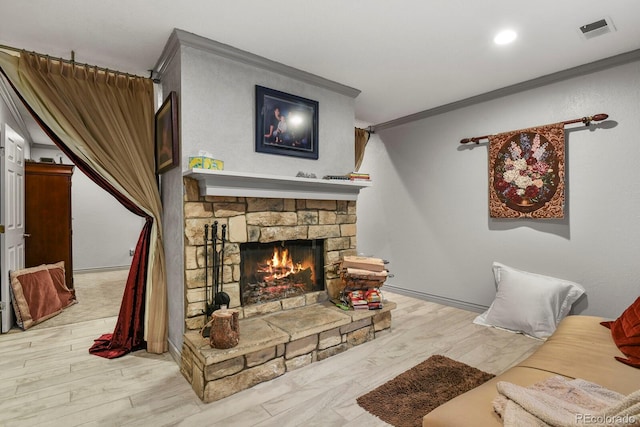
(360, 272)
(362, 277)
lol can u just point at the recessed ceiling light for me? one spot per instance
(505, 37)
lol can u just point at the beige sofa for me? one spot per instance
(579, 348)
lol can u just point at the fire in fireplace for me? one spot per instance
(273, 271)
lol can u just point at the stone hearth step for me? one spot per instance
(273, 344)
(305, 321)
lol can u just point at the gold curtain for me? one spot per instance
(119, 146)
(362, 137)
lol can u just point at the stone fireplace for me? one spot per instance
(277, 270)
(293, 211)
(251, 222)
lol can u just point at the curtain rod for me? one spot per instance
(586, 120)
(72, 61)
(369, 130)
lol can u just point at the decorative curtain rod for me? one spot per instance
(72, 61)
(586, 120)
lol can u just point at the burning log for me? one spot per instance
(269, 288)
(269, 291)
(303, 276)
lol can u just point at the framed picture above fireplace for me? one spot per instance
(286, 124)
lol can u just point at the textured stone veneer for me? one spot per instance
(261, 220)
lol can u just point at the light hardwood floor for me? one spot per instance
(48, 378)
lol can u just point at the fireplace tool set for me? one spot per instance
(221, 325)
(215, 297)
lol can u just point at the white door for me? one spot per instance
(11, 216)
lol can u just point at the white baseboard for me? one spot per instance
(101, 269)
(464, 305)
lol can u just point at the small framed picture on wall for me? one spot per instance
(167, 137)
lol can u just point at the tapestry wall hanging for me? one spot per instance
(527, 173)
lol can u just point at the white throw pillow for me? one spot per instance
(529, 303)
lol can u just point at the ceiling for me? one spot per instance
(406, 56)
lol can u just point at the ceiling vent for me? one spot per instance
(598, 28)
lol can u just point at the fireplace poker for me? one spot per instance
(224, 239)
(206, 272)
(214, 279)
(221, 297)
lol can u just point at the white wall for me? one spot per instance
(103, 230)
(218, 113)
(427, 211)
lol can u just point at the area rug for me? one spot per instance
(404, 400)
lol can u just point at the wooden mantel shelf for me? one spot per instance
(244, 184)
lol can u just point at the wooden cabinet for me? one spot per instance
(47, 221)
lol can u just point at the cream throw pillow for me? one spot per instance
(529, 303)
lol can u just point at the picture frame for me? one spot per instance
(286, 124)
(167, 137)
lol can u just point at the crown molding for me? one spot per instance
(181, 38)
(169, 52)
(580, 70)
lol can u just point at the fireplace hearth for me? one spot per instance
(278, 270)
